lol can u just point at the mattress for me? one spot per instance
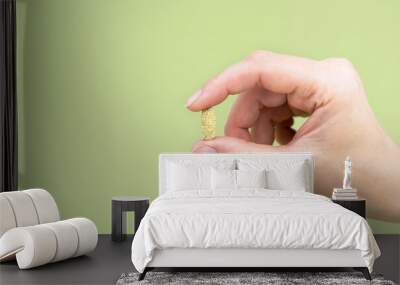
(250, 219)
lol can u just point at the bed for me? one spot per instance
(247, 211)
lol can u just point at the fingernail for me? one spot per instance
(193, 98)
(204, 149)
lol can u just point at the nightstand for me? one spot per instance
(357, 206)
(121, 205)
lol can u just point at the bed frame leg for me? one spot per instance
(364, 271)
(143, 274)
(366, 274)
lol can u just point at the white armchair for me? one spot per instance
(31, 230)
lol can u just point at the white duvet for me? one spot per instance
(250, 219)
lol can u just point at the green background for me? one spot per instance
(102, 83)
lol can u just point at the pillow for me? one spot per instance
(188, 177)
(193, 174)
(223, 179)
(251, 178)
(293, 179)
(282, 174)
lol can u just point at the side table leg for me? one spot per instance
(118, 222)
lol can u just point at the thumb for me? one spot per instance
(232, 145)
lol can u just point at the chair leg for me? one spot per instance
(143, 274)
(364, 271)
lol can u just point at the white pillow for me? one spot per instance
(282, 174)
(251, 178)
(188, 177)
(193, 174)
(293, 179)
(223, 179)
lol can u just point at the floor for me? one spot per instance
(103, 266)
(110, 260)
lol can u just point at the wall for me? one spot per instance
(102, 84)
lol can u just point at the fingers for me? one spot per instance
(243, 115)
(283, 131)
(276, 122)
(234, 145)
(235, 79)
(274, 72)
(252, 110)
(263, 130)
(262, 112)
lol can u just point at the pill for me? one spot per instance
(208, 123)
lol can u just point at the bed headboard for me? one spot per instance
(170, 157)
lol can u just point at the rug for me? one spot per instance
(269, 278)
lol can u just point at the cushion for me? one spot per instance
(32, 246)
(7, 220)
(223, 179)
(23, 208)
(282, 174)
(189, 177)
(87, 233)
(26, 208)
(251, 178)
(292, 179)
(67, 237)
(45, 205)
(193, 174)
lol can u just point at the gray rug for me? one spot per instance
(232, 278)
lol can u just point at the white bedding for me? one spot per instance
(250, 218)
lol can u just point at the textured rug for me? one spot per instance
(232, 278)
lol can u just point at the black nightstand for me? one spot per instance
(357, 206)
(121, 205)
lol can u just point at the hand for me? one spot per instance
(276, 88)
